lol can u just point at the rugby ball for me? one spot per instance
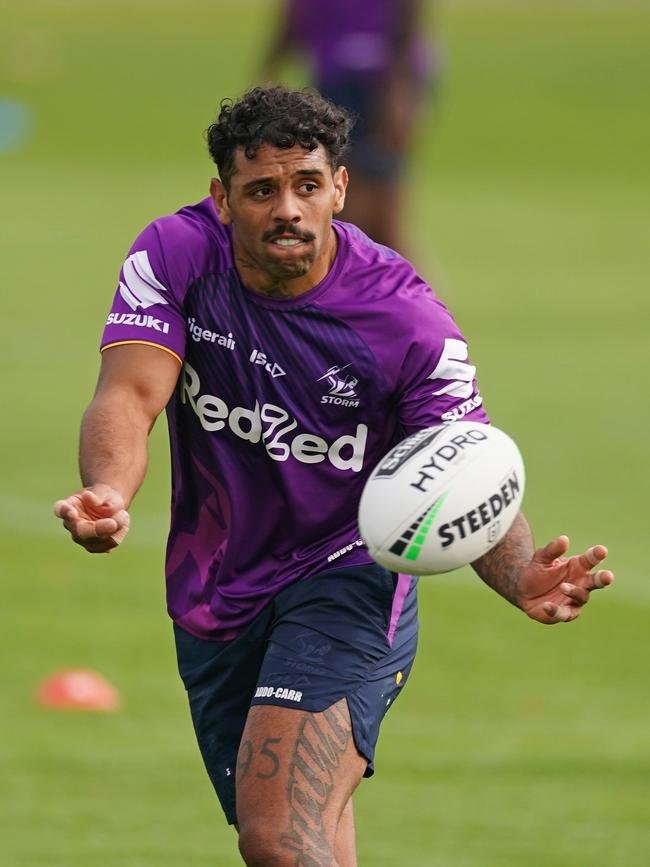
(442, 498)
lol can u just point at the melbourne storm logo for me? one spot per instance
(342, 386)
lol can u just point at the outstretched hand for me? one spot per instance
(95, 518)
(554, 588)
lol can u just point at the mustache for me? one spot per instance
(278, 231)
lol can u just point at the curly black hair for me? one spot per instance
(281, 117)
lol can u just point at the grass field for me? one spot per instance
(514, 745)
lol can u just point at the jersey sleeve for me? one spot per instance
(148, 303)
(438, 382)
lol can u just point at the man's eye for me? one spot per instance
(309, 187)
(262, 192)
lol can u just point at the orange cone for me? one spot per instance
(78, 689)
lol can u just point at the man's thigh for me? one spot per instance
(296, 772)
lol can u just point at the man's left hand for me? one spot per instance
(554, 588)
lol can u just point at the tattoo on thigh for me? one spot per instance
(320, 744)
(245, 757)
(272, 757)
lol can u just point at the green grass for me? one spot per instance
(513, 744)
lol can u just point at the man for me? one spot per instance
(291, 352)
(369, 57)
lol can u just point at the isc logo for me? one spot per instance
(259, 357)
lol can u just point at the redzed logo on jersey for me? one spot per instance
(271, 425)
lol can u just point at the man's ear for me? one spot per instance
(340, 185)
(220, 198)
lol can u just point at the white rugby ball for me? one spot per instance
(442, 498)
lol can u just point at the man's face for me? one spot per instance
(281, 205)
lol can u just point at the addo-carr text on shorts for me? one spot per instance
(273, 427)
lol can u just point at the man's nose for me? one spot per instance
(286, 207)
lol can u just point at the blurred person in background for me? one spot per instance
(368, 57)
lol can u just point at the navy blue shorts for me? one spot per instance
(349, 632)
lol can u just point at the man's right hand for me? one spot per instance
(95, 518)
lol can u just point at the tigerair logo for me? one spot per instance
(198, 333)
(341, 386)
(273, 427)
(409, 545)
(140, 285)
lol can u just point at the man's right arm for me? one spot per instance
(134, 386)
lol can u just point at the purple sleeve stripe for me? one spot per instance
(401, 591)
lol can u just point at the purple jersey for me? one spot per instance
(283, 407)
(344, 38)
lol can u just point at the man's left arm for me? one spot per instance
(546, 585)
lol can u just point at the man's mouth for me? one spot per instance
(287, 242)
(285, 237)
